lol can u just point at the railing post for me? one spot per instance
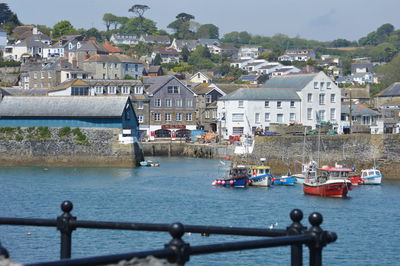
(296, 228)
(4, 252)
(64, 226)
(321, 238)
(181, 249)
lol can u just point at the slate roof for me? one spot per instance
(359, 110)
(391, 91)
(154, 83)
(69, 106)
(157, 38)
(202, 88)
(228, 88)
(297, 82)
(262, 94)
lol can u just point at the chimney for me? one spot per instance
(63, 63)
(74, 63)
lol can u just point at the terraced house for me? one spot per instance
(172, 106)
(113, 67)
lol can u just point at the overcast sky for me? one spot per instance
(311, 19)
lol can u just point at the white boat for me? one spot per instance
(371, 176)
(308, 170)
(149, 163)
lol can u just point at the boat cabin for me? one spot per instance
(370, 172)
(329, 173)
(239, 171)
(259, 171)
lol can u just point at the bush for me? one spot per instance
(7, 130)
(43, 133)
(64, 132)
(80, 137)
(19, 138)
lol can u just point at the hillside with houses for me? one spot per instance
(180, 82)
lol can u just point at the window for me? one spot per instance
(279, 118)
(291, 103)
(240, 104)
(115, 66)
(266, 104)
(98, 89)
(188, 116)
(321, 115)
(157, 102)
(112, 89)
(237, 131)
(178, 116)
(315, 85)
(309, 97)
(104, 76)
(207, 114)
(167, 116)
(126, 90)
(267, 117)
(321, 84)
(208, 98)
(178, 102)
(127, 114)
(157, 117)
(67, 75)
(35, 75)
(49, 75)
(168, 102)
(309, 113)
(292, 117)
(257, 117)
(189, 102)
(322, 99)
(138, 90)
(139, 105)
(328, 85)
(333, 98)
(104, 65)
(333, 114)
(136, 68)
(237, 117)
(78, 91)
(140, 118)
(173, 89)
(278, 104)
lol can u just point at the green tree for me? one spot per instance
(5, 13)
(341, 43)
(109, 19)
(139, 10)
(63, 27)
(181, 26)
(200, 58)
(93, 32)
(389, 73)
(185, 54)
(208, 31)
(157, 60)
(137, 27)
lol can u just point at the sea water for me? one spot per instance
(180, 190)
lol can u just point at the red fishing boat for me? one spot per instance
(332, 182)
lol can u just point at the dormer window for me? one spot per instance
(78, 45)
(70, 46)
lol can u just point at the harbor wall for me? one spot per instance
(358, 150)
(47, 147)
(282, 152)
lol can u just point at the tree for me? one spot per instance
(137, 27)
(390, 72)
(157, 60)
(109, 19)
(182, 26)
(5, 13)
(139, 11)
(208, 31)
(341, 43)
(185, 54)
(93, 32)
(200, 58)
(64, 27)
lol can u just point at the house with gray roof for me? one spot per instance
(172, 106)
(363, 118)
(101, 112)
(155, 39)
(320, 97)
(129, 39)
(246, 110)
(390, 94)
(297, 55)
(179, 44)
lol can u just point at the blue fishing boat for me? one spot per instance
(286, 180)
(237, 177)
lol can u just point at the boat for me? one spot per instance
(237, 177)
(287, 180)
(260, 176)
(308, 170)
(149, 163)
(371, 176)
(333, 182)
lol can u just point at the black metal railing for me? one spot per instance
(177, 251)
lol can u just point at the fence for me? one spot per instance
(177, 251)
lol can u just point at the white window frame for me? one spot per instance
(157, 102)
(321, 98)
(111, 89)
(126, 90)
(333, 98)
(279, 104)
(309, 113)
(267, 117)
(140, 118)
(188, 116)
(240, 103)
(157, 116)
(309, 97)
(178, 102)
(257, 118)
(292, 117)
(168, 102)
(237, 117)
(277, 118)
(189, 102)
(167, 116)
(178, 116)
(333, 114)
(266, 104)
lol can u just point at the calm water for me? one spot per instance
(179, 190)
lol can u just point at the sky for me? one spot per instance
(320, 20)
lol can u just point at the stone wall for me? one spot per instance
(98, 147)
(359, 150)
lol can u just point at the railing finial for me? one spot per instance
(181, 249)
(67, 206)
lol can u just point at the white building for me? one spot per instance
(245, 110)
(320, 97)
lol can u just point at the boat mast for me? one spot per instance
(304, 145)
(319, 143)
